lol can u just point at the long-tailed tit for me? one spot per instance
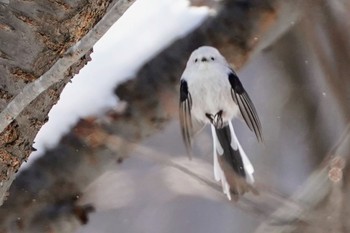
(211, 93)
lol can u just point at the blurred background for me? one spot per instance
(121, 165)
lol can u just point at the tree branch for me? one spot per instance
(56, 73)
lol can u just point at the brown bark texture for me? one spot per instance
(35, 36)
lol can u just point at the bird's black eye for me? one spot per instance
(196, 60)
(212, 58)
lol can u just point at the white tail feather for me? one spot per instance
(248, 166)
(218, 172)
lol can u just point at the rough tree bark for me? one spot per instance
(35, 36)
(50, 203)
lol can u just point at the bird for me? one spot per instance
(212, 94)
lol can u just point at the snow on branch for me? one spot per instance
(56, 73)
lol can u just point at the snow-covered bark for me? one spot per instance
(43, 45)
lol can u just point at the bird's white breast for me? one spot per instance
(210, 91)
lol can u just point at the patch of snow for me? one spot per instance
(146, 28)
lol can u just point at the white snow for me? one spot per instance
(145, 29)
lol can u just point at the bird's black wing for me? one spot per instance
(185, 115)
(246, 106)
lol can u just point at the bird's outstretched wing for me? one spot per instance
(189, 126)
(246, 106)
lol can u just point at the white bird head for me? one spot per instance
(206, 55)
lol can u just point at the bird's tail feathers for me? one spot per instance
(231, 165)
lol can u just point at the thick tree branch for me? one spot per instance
(57, 72)
(54, 78)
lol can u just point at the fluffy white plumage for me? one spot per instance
(211, 93)
(210, 87)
